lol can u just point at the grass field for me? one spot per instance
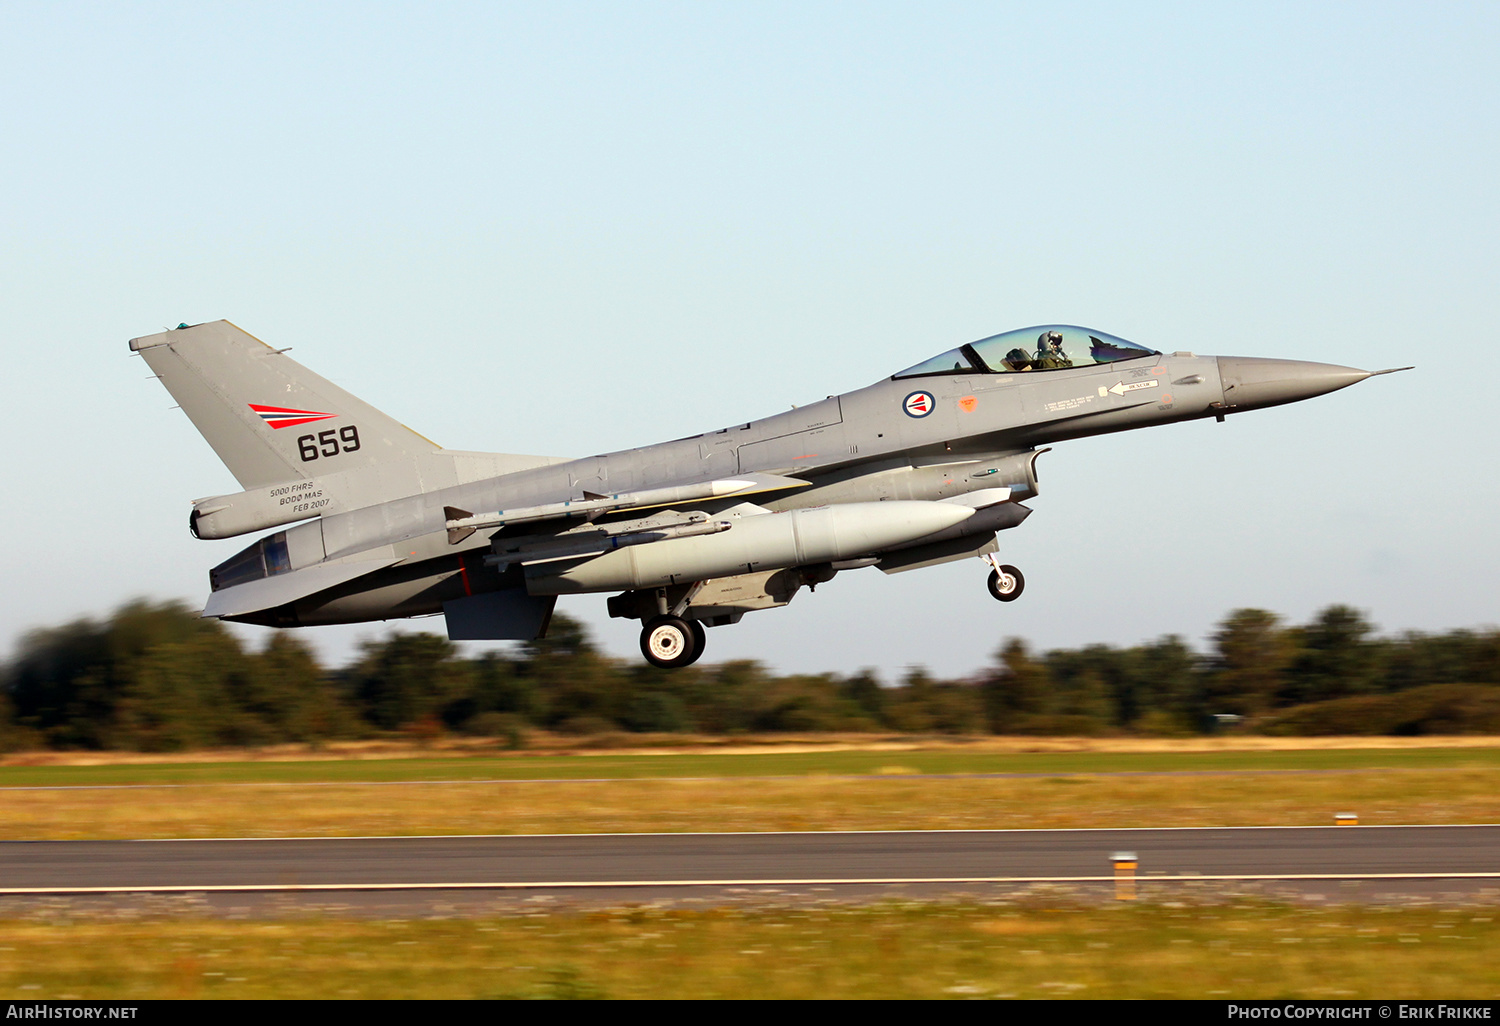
(625, 765)
(807, 802)
(1244, 949)
(1049, 944)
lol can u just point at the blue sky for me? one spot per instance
(572, 228)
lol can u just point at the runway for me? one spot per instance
(652, 864)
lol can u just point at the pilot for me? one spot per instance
(1017, 360)
(1049, 353)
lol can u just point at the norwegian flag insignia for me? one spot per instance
(279, 417)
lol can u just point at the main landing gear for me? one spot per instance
(667, 640)
(1006, 582)
(671, 642)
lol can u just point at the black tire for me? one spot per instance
(700, 641)
(1008, 588)
(669, 642)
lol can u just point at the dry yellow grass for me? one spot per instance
(893, 802)
(1237, 949)
(542, 743)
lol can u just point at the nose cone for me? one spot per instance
(1251, 383)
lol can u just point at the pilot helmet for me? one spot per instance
(1049, 340)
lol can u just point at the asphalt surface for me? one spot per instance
(559, 862)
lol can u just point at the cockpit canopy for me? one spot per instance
(1045, 347)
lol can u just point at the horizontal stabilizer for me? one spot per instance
(278, 590)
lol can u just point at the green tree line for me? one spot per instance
(156, 677)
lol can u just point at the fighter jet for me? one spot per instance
(923, 467)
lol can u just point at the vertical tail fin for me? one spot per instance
(269, 418)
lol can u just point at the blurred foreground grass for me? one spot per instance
(859, 756)
(1240, 949)
(899, 801)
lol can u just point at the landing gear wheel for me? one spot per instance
(669, 642)
(700, 641)
(1006, 583)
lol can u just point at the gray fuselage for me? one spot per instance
(873, 444)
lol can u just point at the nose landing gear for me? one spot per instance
(1006, 582)
(670, 642)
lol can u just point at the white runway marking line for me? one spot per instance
(511, 885)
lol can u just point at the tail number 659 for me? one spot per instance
(328, 443)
